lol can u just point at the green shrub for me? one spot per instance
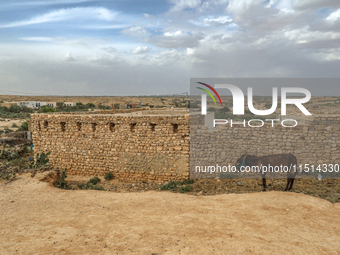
(108, 176)
(14, 125)
(88, 185)
(171, 185)
(193, 105)
(18, 162)
(61, 183)
(188, 181)
(6, 154)
(94, 180)
(81, 185)
(185, 189)
(23, 127)
(9, 176)
(41, 160)
(14, 108)
(46, 108)
(98, 187)
(103, 107)
(8, 130)
(90, 105)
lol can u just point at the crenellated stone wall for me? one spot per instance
(153, 148)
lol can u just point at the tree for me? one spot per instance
(47, 108)
(90, 105)
(14, 108)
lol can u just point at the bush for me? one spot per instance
(14, 125)
(108, 176)
(23, 127)
(61, 183)
(41, 160)
(20, 162)
(81, 185)
(103, 107)
(14, 108)
(8, 130)
(6, 154)
(185, 189)
(61, 107)
(193, 105)
(46, 108)
(94, 180)
(171, 185)
(90, 186)
(10, 176)
(225, 109)
(188, 181)
(90, 105)
(97, 187)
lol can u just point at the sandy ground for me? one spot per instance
(37, 218)
(9, 122)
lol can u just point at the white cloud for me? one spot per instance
(37, 39)
(248, 38)
(221, 20)
(78, 13)
(176, 39)
(334, 16)
(314, 4)
(135, 31)
(211, 5)
(179, 5)
(109, 49)
(49, 2)
(69, 57)
(106, 60)
(148, 16)
(141, 50)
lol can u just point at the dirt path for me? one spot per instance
(37, 218)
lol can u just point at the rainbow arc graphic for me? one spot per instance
(209, 93)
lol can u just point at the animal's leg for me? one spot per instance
(288, 182)
(264, 184)
(291, 184)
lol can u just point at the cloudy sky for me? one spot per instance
(133, 47)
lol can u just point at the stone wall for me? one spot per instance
(155, 146)
(141, 148)
(223, 145)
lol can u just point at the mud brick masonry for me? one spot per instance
(137, 146)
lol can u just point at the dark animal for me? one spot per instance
(288, 160)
